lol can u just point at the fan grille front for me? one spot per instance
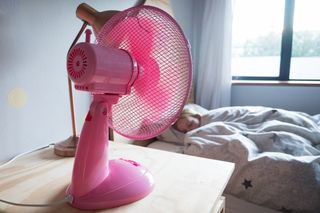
(158, 95)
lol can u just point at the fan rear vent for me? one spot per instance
(77, 63)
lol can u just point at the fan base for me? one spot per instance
(126, 182)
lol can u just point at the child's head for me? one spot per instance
(187, 121)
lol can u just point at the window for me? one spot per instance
(276, 40)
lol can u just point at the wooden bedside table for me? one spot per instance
(182, 183)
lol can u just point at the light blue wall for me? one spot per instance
(182, 11)
(297, 98)
(34, 38)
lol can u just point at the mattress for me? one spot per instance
(233, 204)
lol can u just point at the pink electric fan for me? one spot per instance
(139, 72)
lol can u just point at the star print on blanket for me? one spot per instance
(247, 183)
(283, 209)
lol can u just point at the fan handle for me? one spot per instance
(99, 183)
(96, 19)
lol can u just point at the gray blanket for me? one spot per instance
(277, 154)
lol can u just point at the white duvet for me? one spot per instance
(277, 154)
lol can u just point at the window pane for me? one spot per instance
(305, 60)
(256, 37)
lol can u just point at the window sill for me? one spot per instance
(277, 83)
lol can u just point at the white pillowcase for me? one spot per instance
(196, 108)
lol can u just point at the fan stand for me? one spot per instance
(99, 183)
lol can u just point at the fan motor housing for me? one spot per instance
(100, 69)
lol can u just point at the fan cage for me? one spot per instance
(158, 95)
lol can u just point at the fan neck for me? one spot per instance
(91, 161)
(108, 99)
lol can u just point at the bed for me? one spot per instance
(277, 155)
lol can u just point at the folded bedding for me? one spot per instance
(276, 152)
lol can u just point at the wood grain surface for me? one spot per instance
(183, 183)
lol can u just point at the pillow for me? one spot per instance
(196, 108)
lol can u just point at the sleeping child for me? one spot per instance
(187, 121)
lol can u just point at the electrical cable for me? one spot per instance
(20, 155)
(67, 199)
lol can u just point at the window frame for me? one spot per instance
(285, 52)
